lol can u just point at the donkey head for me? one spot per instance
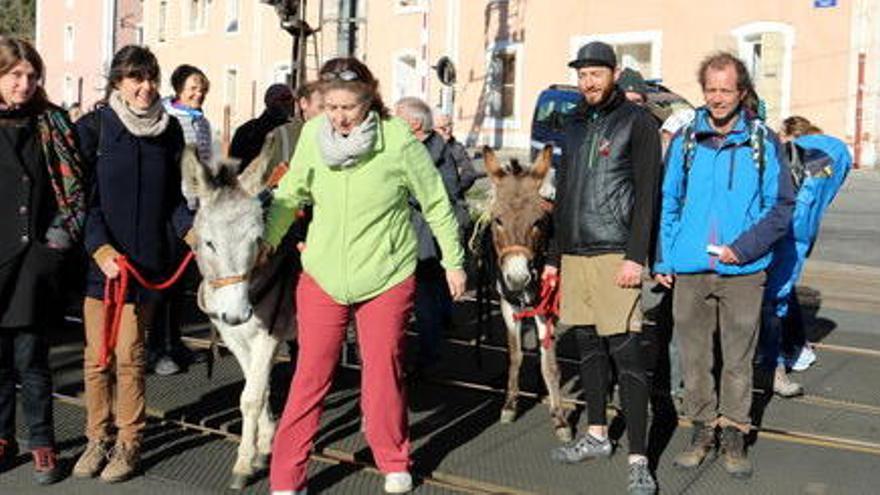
(228, 226)
(519, 221)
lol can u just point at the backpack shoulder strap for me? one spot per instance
(757, 137)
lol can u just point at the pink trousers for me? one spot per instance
(322, 322)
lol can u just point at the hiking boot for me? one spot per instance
(46, 468)
(702, 443)
(640, 480)
(8, 453)
(733, 452)
(124, 461)
(400, 482)
(783, 386)
(92, 460)
(585, 447)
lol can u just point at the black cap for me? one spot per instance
(594, 53)
(631, 80)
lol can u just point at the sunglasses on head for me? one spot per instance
(346, 75)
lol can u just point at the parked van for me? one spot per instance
(556, 103)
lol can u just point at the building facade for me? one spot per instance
(816, 58)
(804, 55)
(76, 39)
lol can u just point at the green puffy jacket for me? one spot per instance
(361, 241)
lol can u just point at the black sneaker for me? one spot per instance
(585, 447)
(640, 480)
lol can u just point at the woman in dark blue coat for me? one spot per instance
(134, 149)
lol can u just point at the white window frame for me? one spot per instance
(67, 89)
(514, 122)
(200, 26)
(230, 6)
(69, 42)
(162, 22)
(280, 67)
(746, 31)
(395, 77)
(654, 38)
(420, 6)
(230, 95)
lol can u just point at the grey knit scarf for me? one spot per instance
(142, 123)
(340, 151)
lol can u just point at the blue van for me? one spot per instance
(556, 103)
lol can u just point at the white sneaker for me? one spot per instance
(784, 387)
(805, 359)
(400, 482)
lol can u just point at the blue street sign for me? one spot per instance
(820, 4)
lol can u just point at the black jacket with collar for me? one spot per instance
(607, 183)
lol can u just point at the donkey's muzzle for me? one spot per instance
(233, 320)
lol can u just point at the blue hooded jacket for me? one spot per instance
(720, 201)
(826, 162)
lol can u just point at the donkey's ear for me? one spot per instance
(490, 161)
(253, 179)
(196, 176)
(543, 162)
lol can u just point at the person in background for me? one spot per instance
(74, 112)
(250, 136)
(133, 147)
(819, 165)
(166, 353)
(358, 167)
(467, 174)
(43, 206)
(433, 309)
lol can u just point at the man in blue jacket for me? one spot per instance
(819, 165)
(727, 197)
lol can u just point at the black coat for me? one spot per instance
(29, 270)
(135, 195)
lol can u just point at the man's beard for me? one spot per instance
(724, 121)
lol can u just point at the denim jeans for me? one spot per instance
(24, 354)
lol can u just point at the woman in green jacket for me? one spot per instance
(358, 167)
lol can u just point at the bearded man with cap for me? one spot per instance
(606, 191)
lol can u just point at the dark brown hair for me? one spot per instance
(351, 74)
(15, 50)
(182, 73)
(134, 61)
(797, 126)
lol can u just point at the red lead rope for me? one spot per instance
(548, 307)
(115, 290)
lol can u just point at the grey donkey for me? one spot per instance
(251, 306)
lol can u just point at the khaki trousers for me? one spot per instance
(125, 371)
(700, 304)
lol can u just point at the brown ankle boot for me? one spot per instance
(733, 452)
(702, 444)
(92, 460)
(124, 461)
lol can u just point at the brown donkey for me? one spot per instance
(519, 232)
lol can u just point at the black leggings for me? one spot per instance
(595, 366)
